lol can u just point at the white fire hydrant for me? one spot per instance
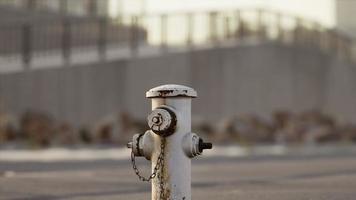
(169, 144)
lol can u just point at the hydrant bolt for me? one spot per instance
(203, 145)
(156, 120)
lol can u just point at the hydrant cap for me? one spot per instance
(171, 90)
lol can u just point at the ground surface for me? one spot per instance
(251, 178)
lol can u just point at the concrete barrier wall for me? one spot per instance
(74, 94)
(245, 79)
(340, 95)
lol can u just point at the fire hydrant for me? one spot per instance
(169, 144)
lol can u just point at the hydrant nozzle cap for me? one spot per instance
(171, 90)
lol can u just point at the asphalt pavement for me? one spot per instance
(248, 178)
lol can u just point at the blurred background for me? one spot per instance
(267, 72)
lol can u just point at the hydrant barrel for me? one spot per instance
(169, 144)
(176, 172)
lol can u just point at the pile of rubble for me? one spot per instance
(36, 130)
(283, 127)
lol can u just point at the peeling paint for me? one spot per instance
(165, 91)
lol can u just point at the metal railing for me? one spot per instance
(67, 37)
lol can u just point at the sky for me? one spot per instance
(322, 11)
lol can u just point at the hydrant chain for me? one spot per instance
(161, 183)
(158, 165)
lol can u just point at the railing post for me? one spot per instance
(66, 41)
(212, 27)
(351, 50)
(164, 32)
(347, 48)
(334, 43)
(331, 46)
(317, 35)
(31, 4)
(227, 27)
(280, 33)
(241, 33)
(260, 25)
(190, 29)
(323, 40)
(134, 36)
(63, 6)
(298, 32)
(238, 24)
(26, 45)
(93, 7)
(102, 39)
(339, 46)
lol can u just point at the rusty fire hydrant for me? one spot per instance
(169, 144)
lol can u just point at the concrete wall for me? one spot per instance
(345, 16)
(245, 79)
(341, 90)
(260, 79)
(76, 94)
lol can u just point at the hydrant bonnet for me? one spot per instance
(171, 90)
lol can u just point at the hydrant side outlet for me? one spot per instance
(142, 145)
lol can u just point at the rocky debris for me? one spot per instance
(8, 131)
(37, 130)
(285, 128)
